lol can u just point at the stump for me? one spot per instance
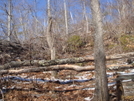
(125, 87)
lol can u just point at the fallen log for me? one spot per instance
(42, 63)
(64, 67)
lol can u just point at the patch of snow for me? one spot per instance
(84, 77)
(111, 84)
(88, 99)
(125, 63)
(114, 87)
(89, 89)
(127, 73)
(26, 82)
(122, 72)
(132, 70)
(46, 71)
(47, 78)
(23, 75)
(127, 80)
(110, 73)
(13, 87)
(3, 87)
(57, 87)
(73, 85)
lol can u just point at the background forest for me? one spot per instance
(26, 22)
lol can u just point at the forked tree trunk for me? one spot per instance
(50, 39)
(101, 87)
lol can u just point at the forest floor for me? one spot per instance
(68, 86)
(65, 85)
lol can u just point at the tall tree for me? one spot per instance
(85, 17)
(9, 20)
(50, 38)
(101, 88)
(66, 17)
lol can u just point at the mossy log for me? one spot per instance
(42, 63)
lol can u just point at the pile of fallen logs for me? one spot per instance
(60, 64)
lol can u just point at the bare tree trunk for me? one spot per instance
(71, 17)
(23, 26)
(50, 38)
(122, 20)
(101, 87)
(66, 20)
(9, 20)
(11, 29)
(85, 16)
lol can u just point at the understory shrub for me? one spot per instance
(127, 42)
(74, 43)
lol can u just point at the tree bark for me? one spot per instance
(101, 87)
